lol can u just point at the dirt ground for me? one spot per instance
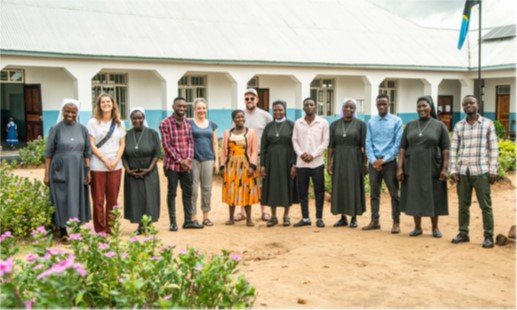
(310, 267)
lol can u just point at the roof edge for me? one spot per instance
(248, 62)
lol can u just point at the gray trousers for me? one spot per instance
(202, 176)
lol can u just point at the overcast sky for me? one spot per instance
(448, 13)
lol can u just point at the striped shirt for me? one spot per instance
(177, 141)
(474, 149)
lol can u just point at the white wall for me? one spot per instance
(144, 90)
(56, 84)
(219, 91)
(280, 87)
(408, 92)
(348, 87)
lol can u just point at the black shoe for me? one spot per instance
(139, 231)
(342, 222)
(460, 238)
(192, 225)
(272, 222)
(353, 223)
(415, 232)
(302, 223)
(173, 227)
(320, 223)
(488, 243)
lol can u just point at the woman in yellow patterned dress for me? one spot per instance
(239, 155)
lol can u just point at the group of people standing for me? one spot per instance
(271, 160)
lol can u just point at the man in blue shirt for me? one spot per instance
(382, 147)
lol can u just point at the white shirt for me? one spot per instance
(312, 139)
(257, 120)
(98, 130)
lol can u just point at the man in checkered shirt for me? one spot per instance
(178, 145)
(473, 165)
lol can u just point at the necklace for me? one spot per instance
(420, 131)
(278, 130)
(139, 139)
(345, 129)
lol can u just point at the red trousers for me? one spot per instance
(105, 187)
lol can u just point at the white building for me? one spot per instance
(148, 52)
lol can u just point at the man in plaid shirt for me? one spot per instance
(473, 165)
(178, 145)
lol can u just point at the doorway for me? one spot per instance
(503, 106)
(263, 94)
(445, 110)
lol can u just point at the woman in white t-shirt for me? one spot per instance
(107, 138)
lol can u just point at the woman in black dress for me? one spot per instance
(141, 180)
(278, 164)
(347, 164)
(422, 167)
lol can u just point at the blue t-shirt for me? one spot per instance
(203, 149)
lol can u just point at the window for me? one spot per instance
(12, 76)
(389, 87)
(191, 87)
(114, 84)
(322, 90)
(254, 82)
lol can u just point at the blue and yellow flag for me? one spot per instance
(465, 21)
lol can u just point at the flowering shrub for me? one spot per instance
(34, 153)
(506, 160)
(24, 203)
(100, 271)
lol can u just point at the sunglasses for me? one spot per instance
(249, 98)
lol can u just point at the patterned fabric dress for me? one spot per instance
(238, 188)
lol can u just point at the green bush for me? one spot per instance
(506, 160)
(108, 272)
(24, 203)
(33, 154)
(499, 130)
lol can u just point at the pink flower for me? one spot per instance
(181, 252)
(75, 237)
(80, 269)
(6, 266)
(156, 258)
(39, 266)
(134, 239)
(235, 257)
(199, 267)
(31, 257)
(103, 246)
(29, 303)
(150, 238)
(74, 220)
(168, 247)
(5, 235)
(110, 254)
(88, 226)
(39, 230)
(167, 297)
(124, 255)
(54, 252)
(102, 234)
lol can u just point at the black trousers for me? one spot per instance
(303, 176)
(389, 175)
(185, 179)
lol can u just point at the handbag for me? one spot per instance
(106, 138)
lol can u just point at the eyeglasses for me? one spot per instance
(249, 98)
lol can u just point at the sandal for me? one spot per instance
(272, 222)
(229, 222)
(287, 221)
(208, 222)
(240, 217)
(266, 217)
(250, 223)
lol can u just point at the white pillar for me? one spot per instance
(169, 79)
(83, 74)
(240, 78)
(372, 82)
(431, 87)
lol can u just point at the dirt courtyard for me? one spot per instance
(310, 267)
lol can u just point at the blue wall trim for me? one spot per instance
(223, 119)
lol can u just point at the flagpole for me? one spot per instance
(480, 83)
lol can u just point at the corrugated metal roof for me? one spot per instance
(346, 32)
